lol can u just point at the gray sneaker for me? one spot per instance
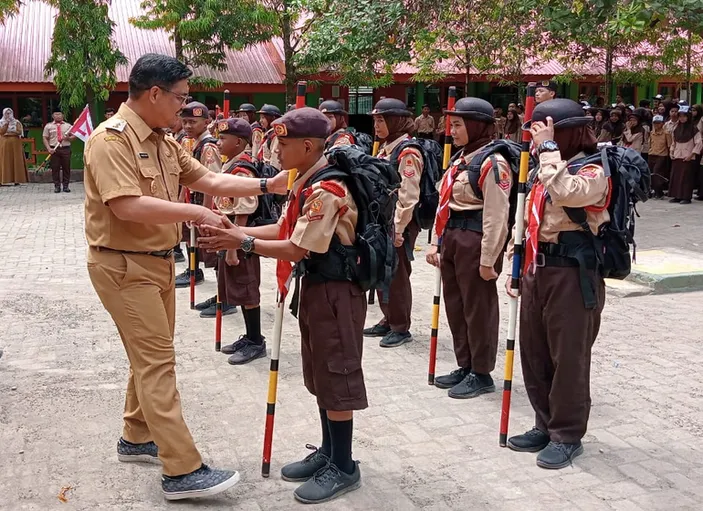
(204, 482)
(300, 471)
(328, 483)
(144, 453)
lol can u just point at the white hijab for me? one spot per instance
(8, 119)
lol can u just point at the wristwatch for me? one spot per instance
(248, 244)
(263, 185)
(547, 146)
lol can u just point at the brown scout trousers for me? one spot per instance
(61, 160)
(397, 312)
(471, 302)
(556, 336)
(138, 291)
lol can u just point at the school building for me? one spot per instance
(254, 75)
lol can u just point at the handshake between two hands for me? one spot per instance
(218, 233)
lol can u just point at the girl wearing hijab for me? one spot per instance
(613, 129)
(472, 219)
(13, 166)
(633, 136)
(598, 121)
(512, 131)
(685, 148)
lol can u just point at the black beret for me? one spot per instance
(476, 109)
(566, 113)
(331, 107)
(195, 109)
(246, 107)
(391, 106)
(303, 122)
(548, 84)
(238, 127)
(272, 110)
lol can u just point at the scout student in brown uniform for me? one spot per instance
(132, 216)
(393, 125)
(247, 111)
(472, 249)
(686, 146)
(239, 275)
(267, 152)
(659, 162)
(58, 142)
(334, 111)
(563, 292)
(545, 91)
(332, 312)
(195, 118)
(424, 123)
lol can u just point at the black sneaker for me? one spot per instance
(249, 351)
(57, 189)
(532, 441)
(210, 302)
(66, 189)
(377, 331)
(230, 349)
(300, 471)
(558, 455)
(472, 386)
(395, 339)
(328, 483)
(674, 201)
(145, 453)
(449, 380)
(211, 312)
(178, 256)
(685, 201)
(203, 482)
(183, 280)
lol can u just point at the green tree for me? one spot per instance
(8, 8)
(83, 58)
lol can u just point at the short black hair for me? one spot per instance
(645, 103)
(425, 105)
(109, 110)
(155, 70)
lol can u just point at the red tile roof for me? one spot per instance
(25, 43)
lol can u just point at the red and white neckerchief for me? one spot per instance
(284, 269)
(538, 199)
(445, 194)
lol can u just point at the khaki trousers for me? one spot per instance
(138, 292)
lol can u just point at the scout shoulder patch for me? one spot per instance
(332, 187)
(116, 124)
(210, 154)
(111, 138)
(504, 177)
(409, 168)
(589, 171)
(314, 211)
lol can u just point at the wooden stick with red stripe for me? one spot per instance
(225, 104)
(300, 94)
(451, 101)
(191, 255)
(517, 264)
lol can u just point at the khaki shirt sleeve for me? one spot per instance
(343, 140)
(496, 209)
(244, 205)
(698, 143)
(191, 169)
(256, 139)
(318, 220)
(110, 162)
(211, 158)
(410, 168)
(586, 188)
(45, 133)
(273, 154)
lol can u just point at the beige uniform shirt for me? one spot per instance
(410, 167)
(271, 152)
(237, 205)
(495, 203)
(659, 143)
(126, 158)
(257, 137)
(441, 127)
(209, 154)
(51, 132)
(328, 210)
(343, 139)
(681, 151)
(635, 141)
(424, 124)
(670, 126)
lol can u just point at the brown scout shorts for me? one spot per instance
(239, 285)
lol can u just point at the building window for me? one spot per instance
(360, 100)
(6, 102)
(30, 111)
(52, 103)
(432, 98)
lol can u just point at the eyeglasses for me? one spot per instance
(181, 97)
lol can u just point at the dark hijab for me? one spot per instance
(398, 126)
(480, 134)
(572, 141)
(685, 131)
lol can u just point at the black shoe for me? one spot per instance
(674, 201)
(472, 386)
(249, 351)
(145, 453)
(395, 339)
(685, 201)
(57, 189)
(178, 256)
(211, 312)
(210, 302)
(66, 189)
(449, 380)
(328, 483)
(203, 482)
(300, 471)
(183, 280)
(532, 441)
(231, 349)
(558, 455)
(377, 331)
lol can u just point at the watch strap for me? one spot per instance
(263, 185)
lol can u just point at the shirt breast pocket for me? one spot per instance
(151, 182)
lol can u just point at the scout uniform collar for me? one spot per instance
(300, 181)
(141, 129)
(388, 147)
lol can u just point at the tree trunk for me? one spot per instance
(178, 41)
(290, 67)
(689, 92)
(608, 74)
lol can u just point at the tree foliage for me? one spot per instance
(83, 58)
(8, 8)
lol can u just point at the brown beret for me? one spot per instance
(237, 127)
(195, 109)
(302, 123)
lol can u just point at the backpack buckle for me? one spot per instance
(540, 260)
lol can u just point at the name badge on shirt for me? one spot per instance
(144, 156)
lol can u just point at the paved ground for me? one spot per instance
(63, 373)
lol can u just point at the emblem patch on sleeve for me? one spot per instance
(588, 172)
(313, 213)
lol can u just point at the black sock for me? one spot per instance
(326, 447)
(252, 321)
(341, 437)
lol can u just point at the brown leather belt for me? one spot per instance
(164, 254)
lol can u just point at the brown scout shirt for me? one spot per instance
(327, 211)
(495, 203)
(51, 132)
(424, 124)
(126, 158)
(410, 168)
(659, 143)
(237, 205)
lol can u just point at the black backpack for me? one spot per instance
(269, 209)
(362, 140)
(432, 156)
(198, 151)
(373, 183)
(630, 183)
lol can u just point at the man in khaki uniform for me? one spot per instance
(132, 222)
(319, 217)
(58, 142)
(424, 124)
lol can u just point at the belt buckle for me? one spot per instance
(540, 260)
(168, 254)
